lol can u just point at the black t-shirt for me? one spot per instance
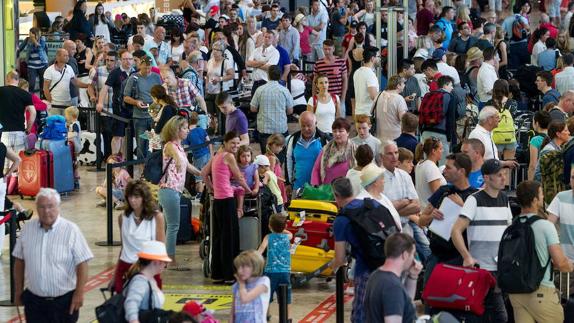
(13, 109)
(115, 79)
(445, 250)
(167, 112)
(386, 296)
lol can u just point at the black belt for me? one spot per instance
(51, 298)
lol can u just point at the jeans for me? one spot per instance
(495, 310)
(32, 74)
(140, 127)
(169, 200)
(422, 242)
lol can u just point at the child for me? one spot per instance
(269, 178)
(198, 136)
(249, 171)
(275, 145)
(363, 125)
(278, 265)
(74, 133)
(251, 291)
(120, 178)
(406, 158)
(198, 312)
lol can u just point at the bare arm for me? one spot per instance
(263, 245)
(246, 296)
(102, 97)
(159, 227)
(12, 156)
(434, 185)
(552, 218)
(373, 91)
(406, 207)
(344, 86)
(458, 228)
(47, 94)
(32, 117)
(559, 259)
(206, 174)
(244, 139)
(340, 255)
(533, 162)
(229, 160)
(201, 101)
(82, 277)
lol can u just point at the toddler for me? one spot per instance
(251, 291)
(275, 145)
(198, 136)
(120, 178)
(269, 178)
(74, 134)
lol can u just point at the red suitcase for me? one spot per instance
(35, 171)
(459, 288)
(314, 234)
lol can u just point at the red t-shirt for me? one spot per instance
(433, 85)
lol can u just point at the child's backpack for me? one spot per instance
(55, 128)
(551, 171)
(504, 133)
(519, 29)
(431, 111)
(519, 268)
(372, 224)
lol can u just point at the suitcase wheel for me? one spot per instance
(206, 268)
(298, 281)
(203, 249)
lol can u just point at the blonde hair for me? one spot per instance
(23, 84)
(171, 128)
(463, 13)
(72, 111)
(275, 139)
(252, 259)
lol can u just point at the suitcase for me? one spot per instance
(35, 171)
(87, 151)
(185, 232)
(317, 211)
(458, 288)
(249, 233)
(63, 166)
(313, 234)
(309, 260)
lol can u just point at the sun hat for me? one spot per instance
(370, 173)
(473, 54)
(262, 160)
(154, 250)
(422, 53)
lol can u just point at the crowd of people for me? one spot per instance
(444, 127)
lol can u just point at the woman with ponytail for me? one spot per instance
(558, 134)
(168, 107)
(428, 177)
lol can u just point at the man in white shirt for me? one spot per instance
(57, 79)
(140, 31)
(318, 20)
(366, 83)
(264, 56)
(158, 41)
(439, 55)
(486, 76)
(565, 79)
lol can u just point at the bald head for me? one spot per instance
(62, 56)
(308, 124)
(70, 46)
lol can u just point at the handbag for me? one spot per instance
(154, 315)
(374, 116)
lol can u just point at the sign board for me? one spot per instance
(165, 6)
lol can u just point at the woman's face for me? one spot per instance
(438, 150)
(245, 158)
(323, 84)
(135, 201)
(232, 145)
(217, 54)
(100, 10)
(564, 135)
(183, 131)
(275, 148)
(239, 30)
(370, 6)
(363, 29)
(545, 36)
(525, 8)
(84, 7)
(100, 42)
(340, 136)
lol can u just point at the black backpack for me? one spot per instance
(153, 170)
(372, 224)
(519, 269)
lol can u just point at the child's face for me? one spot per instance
(407, 165)
(363, 130)
(245, 158)
(261, 169)
(244, 272)
(276, 148)
(69, 117)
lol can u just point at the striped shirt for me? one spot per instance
(99, 76)
(334, 72)
(51, 256)
(562, 206)
(489, 217)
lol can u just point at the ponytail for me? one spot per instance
(419, 153)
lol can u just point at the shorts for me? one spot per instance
(118, 194)
(276, 280)
(199, 163)
(503, 147)
(119, 127)
(554, 9)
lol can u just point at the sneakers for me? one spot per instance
(119, 206)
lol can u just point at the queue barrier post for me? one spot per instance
(339, 295)
(283, 306)
(13, 224)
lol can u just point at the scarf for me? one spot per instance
(333, 155)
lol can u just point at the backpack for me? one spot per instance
(467, 85)
(133, 94)
(316, 102)
(551, 171)
(519, 268)
(153, 168)
(504, 132)
(519, 29)
(372, 224)
(55, 128)
(431, 111)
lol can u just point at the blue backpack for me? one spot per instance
(55, 128)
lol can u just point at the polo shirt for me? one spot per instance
(399, 185)
(269, 55)
(485, 137)
(565, 80)
(371, 140)
(562, 206)
(485, 81)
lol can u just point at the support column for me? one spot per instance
(392, 40)
(378, 34)
(405, 29)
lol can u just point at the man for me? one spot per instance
(318, 20)
(303, 148)
(192, 69)
(565, 79)
(474, 149)
(114, 82)
(289, 39)
(138, 46)
(336, 70)
(182, 90)
(547, 58)
(425, 18)
(99, 76)
(140, 30)
(57, 80)
(52, 259)
(70, 47)
(544, 84)
(430, 70)
(411, 91)
(445, 24)
(464, 40)
(456, 171)
(261, 59)
(542, 305)
(484, 216)
(408, 138)
(387, 298)
(339, 21)
(517, 44)
(284, 60)
(158, 42)
(439, 55)
(235, 119)
(568, 16)
(564, 107)
(273, 103)
(366, 83)
(486, 76)
(137, 94)
(487, 39)
(272, 22)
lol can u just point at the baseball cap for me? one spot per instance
(438, 53)
(262, 160)
(491, 166)
(354, 24)
(213, 10)
(193, 308)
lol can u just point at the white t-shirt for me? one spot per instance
(298, 88)
(175, 52)
(538, 48)
(269, 55)
(485, 137)
(61, 91)
(364, 78)
(448, 70)
(390, 108)
(384, 200)
(147, 39)
(325, 113)
(213, 70)
(485, 81)
(426, 172)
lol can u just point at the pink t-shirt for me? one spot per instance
(221, 177)
(304, 40)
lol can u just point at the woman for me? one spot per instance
(364, 156)
(367, 37)
(97, 55)
(6, 153)
(501, 49)
(175, 45)
(428, 177)
(558, 134)
(336, 157)
(79, 25)
(563, 43)
(504, 134)
(525, 10)
(355, 61)
(219, 75)
(300, 23)
(225, 226)
(140, 222)
(253, 36)
(390, 107)
(175, 165)
(242, 40)
(539, 43)
(36, 58)
(85, 59)
(101, 25)
(366, 15)
(324, 105)
(168, 107)
(540, 125)
(142, 288)
(463, 15)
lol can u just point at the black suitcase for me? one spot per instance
(185, 232)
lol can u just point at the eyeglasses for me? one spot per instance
(110, 60)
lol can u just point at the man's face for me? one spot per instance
(410, 71)
(220, 36)
(448, 87)
(409, 259)
(429, 73)
(450, 14)
(496, 181)
(168, 77)
(127, 60)
(274, 12)
(494, 120)
(137, 46)
(315, 6)
(110, 62)
(390, 157)
(268, 39)
(141, 30)
(70, 48)
(48, 210)
(328, 50)
(286, 22)
(363, 129)
(159, 33)
(307, 127)
(63, 57)
(451, 173)
(540, 83)
(471, 153)
(222, 22)
(465, 31)
(225, 108)
(144, 68)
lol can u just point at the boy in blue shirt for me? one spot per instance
(198, 136)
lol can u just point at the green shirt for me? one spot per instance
(545, 235)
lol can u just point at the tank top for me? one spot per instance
(134, 235)
(174, 177)
(221, 175)
(278, 255)
(81, 56)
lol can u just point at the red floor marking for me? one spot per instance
(94, 281)
(324, 310)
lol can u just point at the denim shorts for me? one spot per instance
(199, 163)
(503, 147)
(277, 279)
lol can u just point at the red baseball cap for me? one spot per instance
(193, 308)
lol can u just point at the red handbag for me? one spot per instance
(459, 288)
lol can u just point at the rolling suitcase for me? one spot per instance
(567, 296)
(35, 171)
(308, 262)
(317, 211)
(249, 232)
(313, 234)
(185, 232)
(63, 166)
